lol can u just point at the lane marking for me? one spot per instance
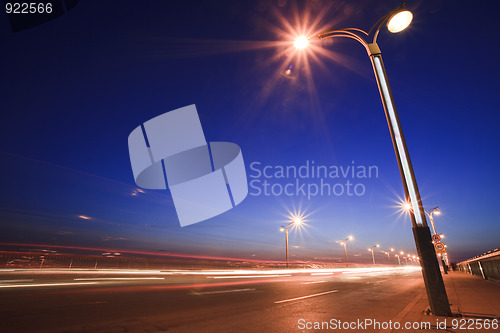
(304, 297)
(221, 291)
(47, 284)
(313, 282)
(246, 276)
(119, 279)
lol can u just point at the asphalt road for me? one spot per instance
(203, 301)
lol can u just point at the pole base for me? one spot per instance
(434, 285)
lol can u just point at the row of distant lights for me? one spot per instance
(386, 252)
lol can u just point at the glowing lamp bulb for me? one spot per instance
(399, 21)
(301, 42)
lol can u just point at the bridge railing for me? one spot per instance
(486, 265)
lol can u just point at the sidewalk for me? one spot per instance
(474, 303)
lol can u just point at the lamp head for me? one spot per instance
(437, 211)
(399, 21)
(350, 237)
(301, 42)
(282, 228)
(297, 220)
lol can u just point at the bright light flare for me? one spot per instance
(301, 42)
(297, 217)
(399, 21)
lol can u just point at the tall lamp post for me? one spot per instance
(441, 256)
(399, 261)
(285, 229)
(389, 255)
(371, 250)
(398, 20)
(429, 212)
(345, 249)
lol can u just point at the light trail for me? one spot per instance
(221, 291)
(246, 276)
(47, 284)
(119, 279)
(20, 280)
(216, 273)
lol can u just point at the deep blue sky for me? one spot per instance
(74, 88)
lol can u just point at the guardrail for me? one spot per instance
(486, 265)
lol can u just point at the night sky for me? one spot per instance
(74, 88)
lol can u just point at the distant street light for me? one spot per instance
(345, 249)
(296, 221)
(389, 254)
(440, 256)
(429, 212)
(371, 250)
(399, 261)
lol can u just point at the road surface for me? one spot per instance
(202, 301)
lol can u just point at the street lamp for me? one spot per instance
(441, 256)
(389, 255)
(345, 249)
(399, 261)
(397, 20)
(429, 212)
(371, 250)
(296, 221)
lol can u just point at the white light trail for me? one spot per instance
(47, 285)
(221, 291)
(119, 279)
(246, 276)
